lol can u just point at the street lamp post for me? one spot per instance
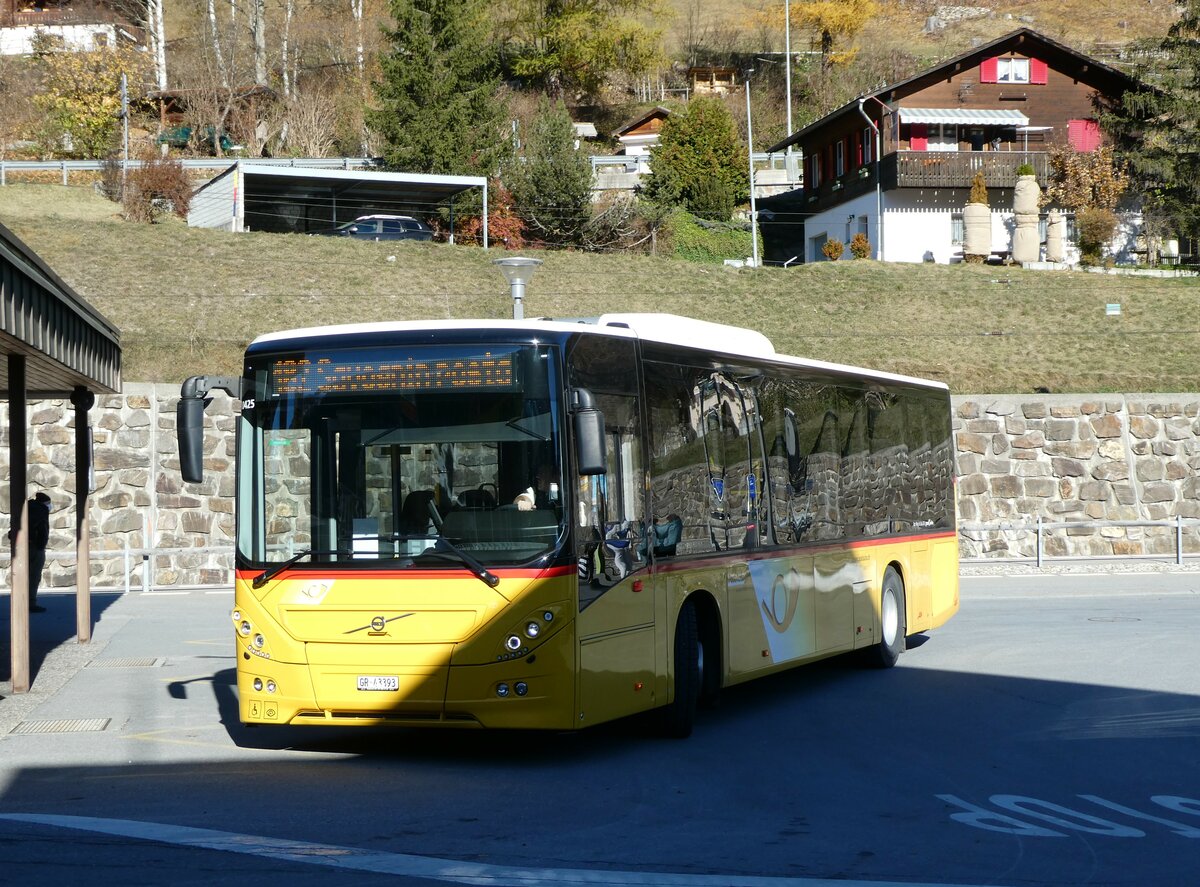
(517, 271)
(750, 154)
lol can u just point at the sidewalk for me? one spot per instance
(155, 661)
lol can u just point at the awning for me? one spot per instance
(963, 116)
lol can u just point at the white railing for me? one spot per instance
(1040, 527)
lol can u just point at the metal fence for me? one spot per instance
(66, 167)
(1040, 528)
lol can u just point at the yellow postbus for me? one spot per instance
(549, 524)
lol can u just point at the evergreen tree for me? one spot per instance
(1156, 129)
(698, 152)
(551, 184)
(439, 110)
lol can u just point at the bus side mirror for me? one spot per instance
(189, 426)
(589, 433)
(189, 420)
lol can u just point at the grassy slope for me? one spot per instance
(190, 300)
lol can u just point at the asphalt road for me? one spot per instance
(1046, 735)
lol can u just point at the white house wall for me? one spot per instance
(217, 204)
(20, 40)
(836, 224)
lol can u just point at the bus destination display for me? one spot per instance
(351, 374)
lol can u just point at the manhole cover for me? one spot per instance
(78, 725)
(127, 662)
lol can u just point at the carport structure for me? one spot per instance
(56, 347)
(266, 197)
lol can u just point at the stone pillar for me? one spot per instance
(1056, 235)
(1026, 247)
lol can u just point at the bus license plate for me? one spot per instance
(378, 682)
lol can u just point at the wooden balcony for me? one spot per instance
(60, 12)
(956, 169)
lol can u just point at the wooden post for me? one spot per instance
(83, 400)
(18, 581)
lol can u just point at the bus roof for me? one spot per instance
(667, 329)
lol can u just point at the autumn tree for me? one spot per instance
(438, 108)
(81, 98)
(699, 153)
(1091, 184)
(573, 47)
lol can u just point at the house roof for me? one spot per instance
(66, 342)
(658, 111)
(1061, 57)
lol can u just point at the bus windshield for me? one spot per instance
(430, 456)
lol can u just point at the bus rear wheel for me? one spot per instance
(679, 716)
(892, 622)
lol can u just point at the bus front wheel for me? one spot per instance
(679, 716)
(892, 622)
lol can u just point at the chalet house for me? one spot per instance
(709, 80)
(69, 24)
(639, 136)
(905, 154)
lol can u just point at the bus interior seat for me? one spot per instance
(477, 499)
(414, 516)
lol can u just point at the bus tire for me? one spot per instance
(892, 621)
(679, 715)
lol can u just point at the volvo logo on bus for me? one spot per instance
(378, 623)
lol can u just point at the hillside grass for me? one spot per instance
(189, 301)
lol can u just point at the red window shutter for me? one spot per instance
(918, 140)
(1038, 71)
(1084, 135)
(989, 70)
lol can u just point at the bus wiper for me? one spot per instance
(486, 576)
(275, 569)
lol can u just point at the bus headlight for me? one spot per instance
(259, 640)
(502, 690)
(522, 688)
(258, 684)
(532, 630)
(244, 629)
(270, 686)
(513, 643)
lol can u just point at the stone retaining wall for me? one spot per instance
(1077, 458)
(1061, 457)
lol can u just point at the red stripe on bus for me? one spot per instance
(424, 575)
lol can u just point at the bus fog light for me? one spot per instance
(513, 643)
(532, 630)
(522, 688)
(259, 641)
(258, 683)
(502, 690)
(245, 629)
(270, 686)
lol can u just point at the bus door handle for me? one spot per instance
(737, 575)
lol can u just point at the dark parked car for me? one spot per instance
(383, 228)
